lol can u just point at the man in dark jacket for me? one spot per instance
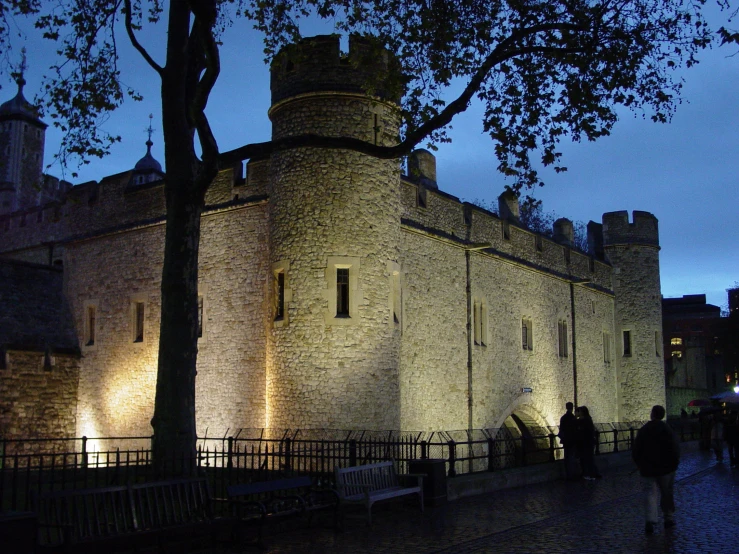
(656, 452)
(568, 437)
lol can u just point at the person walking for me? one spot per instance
(731, 435)
(717, 436)
(656, 452)
(586, 443)
(568, 437)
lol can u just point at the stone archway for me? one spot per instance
(525, 436)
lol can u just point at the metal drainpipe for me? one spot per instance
(574, 341)
(574, 333)
(469, 248)
(469, 341)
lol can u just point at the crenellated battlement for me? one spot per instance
(317, 64)
(618, 230)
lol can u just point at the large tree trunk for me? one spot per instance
(174, 409)
(186, 182)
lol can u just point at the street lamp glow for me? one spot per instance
(736, 389)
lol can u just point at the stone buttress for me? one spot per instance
(332, 360)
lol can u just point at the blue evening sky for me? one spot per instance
(684, 172)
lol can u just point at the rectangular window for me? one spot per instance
(676, 341)
(342, 292)
(527, 334)
(656, 343)
(200, 317)
(627, 343)
(562, 332)
(138, 322)
(280, 296)
(677, 354)
(90, 326)
(606, 348)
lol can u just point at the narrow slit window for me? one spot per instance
(562, 332)
(280, 296)
(627, 343)
(342, 292)
(138, 335)
(606, 348)
(90, 324)
(397, 298)
(527, 334)
(200, 317)
(656, 343)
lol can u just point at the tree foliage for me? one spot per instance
(545, 70)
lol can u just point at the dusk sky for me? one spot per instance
(684, 172)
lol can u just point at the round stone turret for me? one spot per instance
(22, 137)
(334, 243)
(316, 64)
(633, 250)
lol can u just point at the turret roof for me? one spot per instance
(20, 108)
(148, 163)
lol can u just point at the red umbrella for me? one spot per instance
(699, 402)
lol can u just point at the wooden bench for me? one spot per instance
(371, 483)
(267, 500)
(124, 516)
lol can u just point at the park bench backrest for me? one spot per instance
(170, 503)
(83, 515)
(79, 515)
(372, 477)
(264, 487)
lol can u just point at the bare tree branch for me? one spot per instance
(135, 42)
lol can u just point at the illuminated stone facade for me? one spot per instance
(339, 293)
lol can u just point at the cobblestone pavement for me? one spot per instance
(585, 516)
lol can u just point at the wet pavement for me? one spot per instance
(605, 515)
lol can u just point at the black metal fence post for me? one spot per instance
(352, 453)
(452, 458)
(615, 440)
(631, 438)
(551, 447)
(597, 442)
(84, 452)
(229, 462)
(424, 450)
(288, 454)
(523, 451)
(491, 454)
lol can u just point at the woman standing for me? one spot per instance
(586, 443)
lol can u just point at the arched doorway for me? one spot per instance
(526, 439)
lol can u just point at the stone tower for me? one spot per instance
(334, 241)
(633, 250)
(22, 136)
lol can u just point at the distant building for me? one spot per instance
(337, 292)
(693, 345)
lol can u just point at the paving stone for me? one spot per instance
(586, 516)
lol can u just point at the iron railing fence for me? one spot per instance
(35, 465)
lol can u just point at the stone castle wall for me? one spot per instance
(117, 388)
(514, 279)
(400, 358)
(36, 401)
